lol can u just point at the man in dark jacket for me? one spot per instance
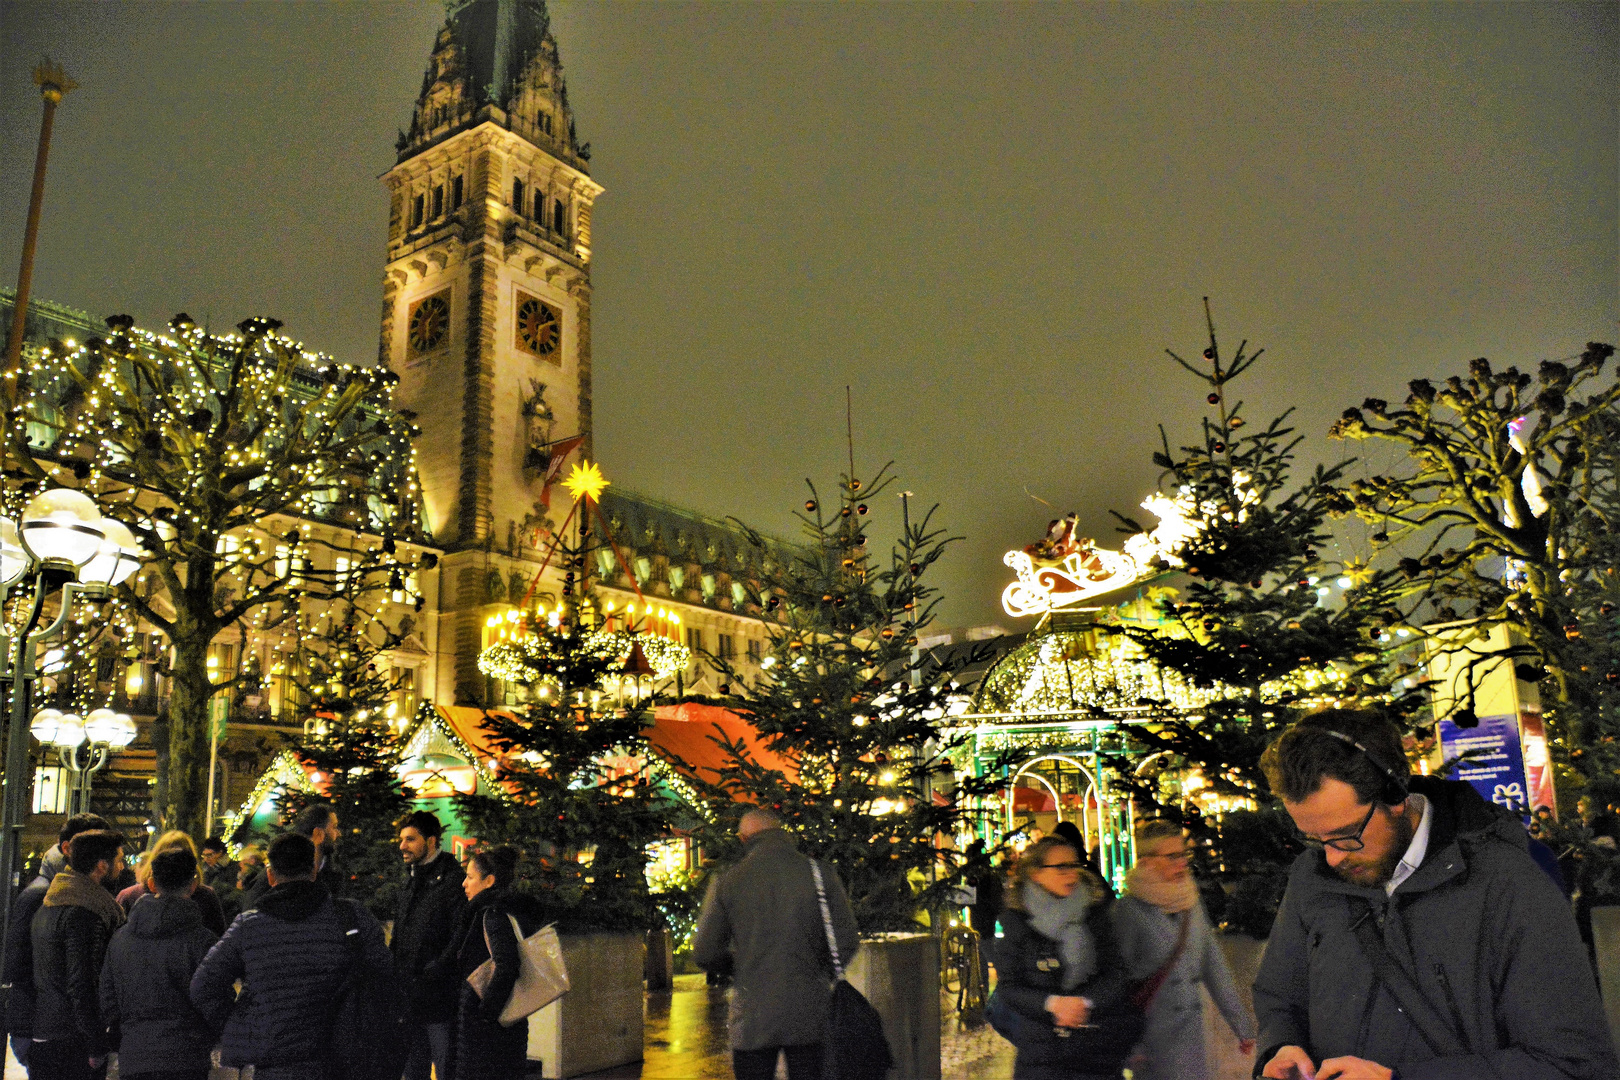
(761, 919)
(70, 934)
(1418, 939)
(19, 973)
(144, 986)
(424, 930)
(218, 871)
(318, 823)
(291, 955)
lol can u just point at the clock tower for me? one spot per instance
(487, 297)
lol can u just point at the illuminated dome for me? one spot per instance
(1078, 670)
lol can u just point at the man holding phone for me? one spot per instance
(1417, 940)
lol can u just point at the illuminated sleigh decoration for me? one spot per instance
(1048, 586)
(1062, 570)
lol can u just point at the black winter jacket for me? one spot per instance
(291, 956)
(430, 909)
(484, 1049)
(146, 983)
(1485, 934)
(70, 944)
(19, 973)
(1028, 971)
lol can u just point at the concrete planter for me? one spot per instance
(899, 974)
(598, 1023)
(1606, 937)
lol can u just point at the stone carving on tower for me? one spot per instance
(487, 293)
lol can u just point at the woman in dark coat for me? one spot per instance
(207, 901)
(1057, 962)
(486, 1050)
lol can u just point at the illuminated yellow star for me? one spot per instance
(585, 481)
(1358, 571)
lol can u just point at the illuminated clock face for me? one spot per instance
(430, 324)
(539, 327)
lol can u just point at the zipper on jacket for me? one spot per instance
(1456, 1013)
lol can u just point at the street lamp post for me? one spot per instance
(63, 543)
(84, 746)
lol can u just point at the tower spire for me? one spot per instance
(495, 61)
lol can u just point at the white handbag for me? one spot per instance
(542, 980)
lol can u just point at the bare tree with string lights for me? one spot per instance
(1507, 515)
(253, 474)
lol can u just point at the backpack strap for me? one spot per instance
(1427, 1020)
(826, 920)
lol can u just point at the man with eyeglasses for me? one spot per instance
(1417, 940)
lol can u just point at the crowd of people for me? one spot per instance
(1422, 937)
(201, 960)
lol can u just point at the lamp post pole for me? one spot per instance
(53, 84)
(63, 543)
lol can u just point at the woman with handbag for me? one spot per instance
(485, 1048)
(1170, 948)
(1062, 997)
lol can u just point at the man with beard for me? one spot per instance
(318, 823)
(1417, 940)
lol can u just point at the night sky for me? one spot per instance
(989, 220)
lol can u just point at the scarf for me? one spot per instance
(1063, 919)
(1170, 897)
(73, 889)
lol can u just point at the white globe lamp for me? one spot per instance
(13, 559)
(115, 559)
(63, 527)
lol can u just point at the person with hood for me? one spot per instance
(145, 985)
(486, 1049)
(207, 901)
(70, 934)
(1056, 963)
(19, 973)
(430, 908)
(1167, 941)
(1417, 940)
(291, 954)
(762, 921)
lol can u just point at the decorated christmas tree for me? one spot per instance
(859, 715)
(1265, 624)
(352, 747)
(579, 797)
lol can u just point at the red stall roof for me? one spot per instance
(686, 733)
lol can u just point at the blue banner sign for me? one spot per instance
(1494, 759)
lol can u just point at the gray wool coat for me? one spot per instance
(761, 922)
(1485, 934)
(1174, 1040)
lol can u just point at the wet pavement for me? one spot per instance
(686, 1040)
(686, 1037)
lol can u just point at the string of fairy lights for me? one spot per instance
(156, 425)
(528, 658)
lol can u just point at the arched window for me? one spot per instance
(455, 193)
(438, 201)
(416, 211)
(540, 207)
(517, 195)
(559, 218)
